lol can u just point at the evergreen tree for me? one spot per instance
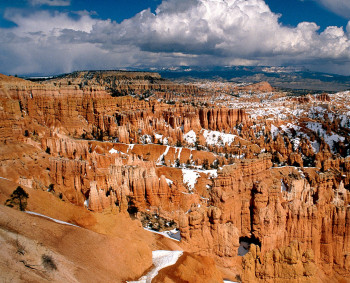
(18, 199)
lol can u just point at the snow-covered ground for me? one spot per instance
(190, 137)
(330, 139)
(274, 131)
(169, 182)
(190, 178)
(130, 147)
(52, 219)
(145, 139)
(158, 137)
(161, 157)
(161, 259)
(112, 151)
(269, 110)
(172, 234)
(161, 139)
(218, 138)
(178, 154)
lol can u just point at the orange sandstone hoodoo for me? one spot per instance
(259, 194)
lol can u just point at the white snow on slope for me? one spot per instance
(274, 131)
(172, 234)
(287, 128)
(145, 139)
(218, 138)
(161, 259)
(161, 139)
(158, 137)
(329, 139)
(113, 151)
(130, 147)
(267, 110)
(344, 120)
(53, 219)
(190, 137)
(178, 156)
(316, 112)
(315, 146)
(190, 178)
(161, 157)
(169, 182)
(296, 143)
(314, 126)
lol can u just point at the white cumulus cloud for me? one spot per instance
(180, 32)
(224, 29)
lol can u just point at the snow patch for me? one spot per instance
(296, 143)
(178, 156)
(161, 157)
(130, 147)
(158, 137)
(315, 146)
(330, 139)
(218, 138)
(190, 137)
(169, 182)
(161, 139)
(287, 128)
(52, 219)
(172, 234)
(161, 259)
(190, 178)
(145, 139)
(274, 131)
(112, 151)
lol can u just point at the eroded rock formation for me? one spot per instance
(236, 174)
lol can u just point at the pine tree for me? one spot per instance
(18, 199)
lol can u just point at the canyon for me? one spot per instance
(255, 180)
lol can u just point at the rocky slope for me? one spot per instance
(255, 180)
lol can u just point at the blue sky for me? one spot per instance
(57, 36)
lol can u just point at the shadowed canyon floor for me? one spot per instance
(254, 180)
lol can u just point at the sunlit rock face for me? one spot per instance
(256, 178)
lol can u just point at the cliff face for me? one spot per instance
(288, 264)
(246, 205)
(93, 113)
(234, 175)
(122, 82)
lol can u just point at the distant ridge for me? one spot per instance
(296, 78)
(102, 74)
(281, 77)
